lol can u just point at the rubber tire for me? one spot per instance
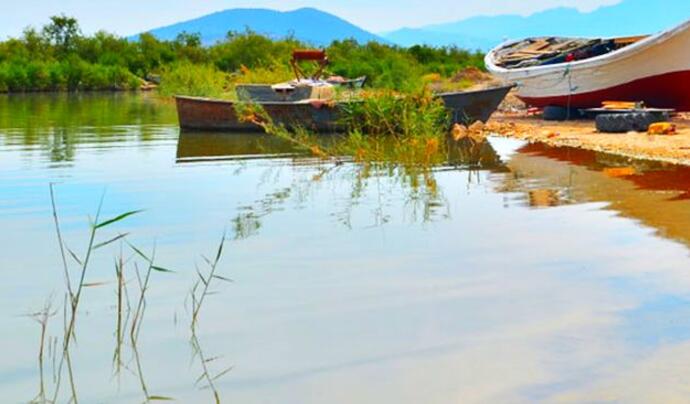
(628, 122)
(554, 113)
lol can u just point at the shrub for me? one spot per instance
(413, 115)
(17, 79)
(38, 77)
(190, 79)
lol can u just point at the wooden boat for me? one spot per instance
(197, 113)
(583, 73)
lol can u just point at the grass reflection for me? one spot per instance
(59, 123)
(382, 169)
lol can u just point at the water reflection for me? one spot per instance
(509, 273)
(60, 123)
(423, 198)
(195, 147)
(656, 194)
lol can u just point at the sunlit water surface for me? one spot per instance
(516, 273)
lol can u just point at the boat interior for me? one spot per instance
(555, 50)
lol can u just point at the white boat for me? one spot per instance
(583, 73)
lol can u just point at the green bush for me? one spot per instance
(57, 76)
(253, 51)
(196, 80)
(17, 78)
(3, 78)
(38, 77)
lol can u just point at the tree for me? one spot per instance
(62, 32)
(36, 44)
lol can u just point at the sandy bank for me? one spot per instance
(582, 134)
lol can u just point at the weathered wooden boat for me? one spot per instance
(197, 113)
(583, 73)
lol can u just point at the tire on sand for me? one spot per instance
(628, 122)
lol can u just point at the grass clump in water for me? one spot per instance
(381, 126)
(404, 136)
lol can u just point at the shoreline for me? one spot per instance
(673, 149)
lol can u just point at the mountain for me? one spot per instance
(307, 24)
(629, 17)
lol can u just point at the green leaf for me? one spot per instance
(74, 256)
(138, 251)
(200, 378)
(201, 276)
(112, 240)
(161, 269)
(93, 284)
(223, 373)
(212, 359)
(220, 248)
(117, 218)
(160, 398)
(222, 278)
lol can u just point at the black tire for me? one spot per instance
(628, 122)
(553, 113)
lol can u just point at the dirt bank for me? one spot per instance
(582, 134)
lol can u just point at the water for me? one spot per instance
(516, 273)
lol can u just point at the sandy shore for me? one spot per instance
(582, 134)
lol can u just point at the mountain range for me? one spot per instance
(629, 17)
(307, 24)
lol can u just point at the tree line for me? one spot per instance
(59, 57)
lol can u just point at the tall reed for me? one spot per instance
(200, 291)
(75, 291)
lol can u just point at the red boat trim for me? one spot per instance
(671, 90)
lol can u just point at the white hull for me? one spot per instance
(634, 69)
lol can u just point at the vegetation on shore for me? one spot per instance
(59, 57)
(403, 122)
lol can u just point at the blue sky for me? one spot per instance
(132, 16)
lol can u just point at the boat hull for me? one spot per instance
(219, 115)
(670, 90)
(206, 114)
(655, 70)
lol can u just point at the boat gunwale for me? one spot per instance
(508, 87)
(607, 58)
(232, 102)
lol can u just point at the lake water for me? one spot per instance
(515, 273)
